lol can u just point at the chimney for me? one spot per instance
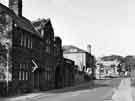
(89, 48)
(16, 6)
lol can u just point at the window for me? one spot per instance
(47, 49)
(26, 75)
(42, 33)
(48, 41)
(58, 52)
(46, 75)
(23, 75)
(25, 41)
(50, 75)
(20, 72)
(22, 38)
(30, 42)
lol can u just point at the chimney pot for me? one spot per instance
(16, 6)
(89, 48)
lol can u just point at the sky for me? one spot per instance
(108, 25)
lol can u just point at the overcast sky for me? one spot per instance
(108, 25)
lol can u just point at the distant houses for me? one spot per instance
(105, 69)
(84, 60)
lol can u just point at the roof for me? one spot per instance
(72, 49)
(21, 22)
(68, 61)
(108, 63)
(44, 24)
(28, 25)
(40, 23)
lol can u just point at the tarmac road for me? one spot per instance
(101, 91)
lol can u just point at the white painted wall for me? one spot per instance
(78, 58)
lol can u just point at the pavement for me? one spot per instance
(47, 93)
(98, 90)
(125, 91)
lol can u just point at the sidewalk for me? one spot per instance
(50, 92)
(124, 91)
(133, 87)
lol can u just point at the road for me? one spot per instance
(101, 91)
(118, 89)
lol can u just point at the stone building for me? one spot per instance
(29, 50)
(19, 38)
(54, 45)
(46, 31)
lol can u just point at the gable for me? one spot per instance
(43, 24)
(72, 49)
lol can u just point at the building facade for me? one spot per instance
(84, 61)
(29, 52)
(107, 69)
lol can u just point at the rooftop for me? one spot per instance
(21, 22)
(72, 49)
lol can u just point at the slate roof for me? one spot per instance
(21, 22)
(72, 49)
